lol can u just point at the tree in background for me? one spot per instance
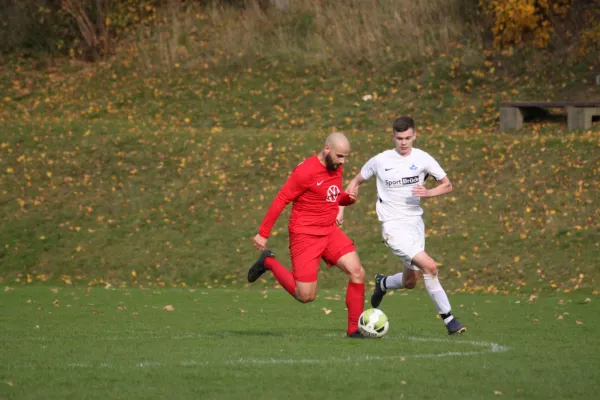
(525, 22)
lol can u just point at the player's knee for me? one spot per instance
(357, 275)
(305, 297)
(410, 279)
(410, 284)
(430, 268)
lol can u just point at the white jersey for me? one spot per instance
(396, 177)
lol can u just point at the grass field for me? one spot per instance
(223, 344)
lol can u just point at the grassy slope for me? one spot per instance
(108, 175)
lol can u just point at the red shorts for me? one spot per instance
(307, 250)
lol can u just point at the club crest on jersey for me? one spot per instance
(333, 193)
(413, 167)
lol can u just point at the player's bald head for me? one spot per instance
(335, 151)
(337, 141)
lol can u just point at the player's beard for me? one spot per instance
(330, 164)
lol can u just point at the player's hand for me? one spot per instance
(420, 191)
(259, 242)
(353, 193)
(339, 220)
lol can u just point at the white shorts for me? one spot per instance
(406, 238)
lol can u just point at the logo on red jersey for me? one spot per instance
(333, 193)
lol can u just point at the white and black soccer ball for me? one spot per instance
(373, 323)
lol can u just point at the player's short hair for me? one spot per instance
(403, 124)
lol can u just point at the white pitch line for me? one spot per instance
(487, 347)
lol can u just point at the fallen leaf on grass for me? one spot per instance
(587, 300)
(535, 320)
(54, 290)
(532, 298)
(95, 311)
(498, 393)
(326, 310)
(579, 322)
(560, 317)
(10, 383)
(168, 308)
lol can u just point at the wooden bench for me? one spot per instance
(579, 113)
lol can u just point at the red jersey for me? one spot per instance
(315, 192)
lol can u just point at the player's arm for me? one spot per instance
(444, 186)
(296, 184)
(356, 182)
(369, 169)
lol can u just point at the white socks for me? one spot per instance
(392, 282)
(437, 294)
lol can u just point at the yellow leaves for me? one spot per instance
(532, 298)
(520, 21)
(10, 170)
(134, 274)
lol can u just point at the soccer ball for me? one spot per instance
(373, 323)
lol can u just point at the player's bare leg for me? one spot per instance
(437, 292)
(306, 291)
(355, 294)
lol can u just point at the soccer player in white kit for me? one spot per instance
(400, 174)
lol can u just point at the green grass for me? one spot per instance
(217, 343)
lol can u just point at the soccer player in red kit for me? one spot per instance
(315, 189)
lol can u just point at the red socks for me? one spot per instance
(355, 301)
(282, 274)
(355, 294)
